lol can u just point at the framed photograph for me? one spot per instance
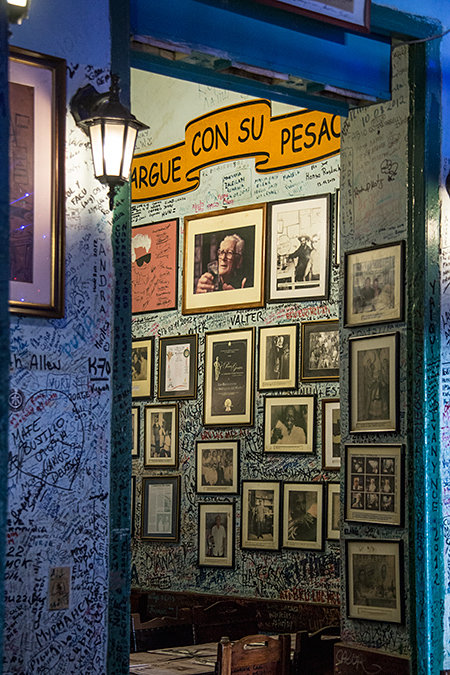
(374, 484)
(375, 580)
(303, 515)
(135, 431)
(333, 511)
(289, 424)
(142, 367)
(154, 266)
(37, 102)
(161, 436)
(337, 225)
(320, 351)
(228, 388)
(133, 502)
(374, 285)
(260, 524)
(299, 253)
(224, 260)
(216, 535)
(278, 357)
(354, 15)
(331, 434)
(177, 376)
(373, 383)
(218, 467)
(160, 508)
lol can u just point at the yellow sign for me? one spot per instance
(237, 131)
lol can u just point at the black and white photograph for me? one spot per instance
(135, 436)
(216, 535)
(218, 467)
(331, 434)
(289, 424)
(142, 367)
(303, 515)
(320, 351)
(161, 435)
(278, 357)
(160, 510)
(333, 510)
(260, 527)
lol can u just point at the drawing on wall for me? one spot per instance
(160, 508)
(333, 511)
(303, 515)
(278, 357)
(177, 376)
(142, 367)
(331, 434)
(299, 254)
(320, 351)
(218, 467)
(260, 528)
(216, 535)
(161, 435)
(154, 269)
(289, 424)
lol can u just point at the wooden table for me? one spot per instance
(190, 660)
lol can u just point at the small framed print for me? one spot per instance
(160, 508)
(135, 431)
(161, 436)
(299, 253)
(374, 285)
(333, 510)
(353, 15)
(177, 376)
(224, 260)
(278, 357)
(331, 434)
(375, 580)
(216, 535)
(142, 367)
(289, 424)
(228, 388)
(303, 515)
(260, 526)
(373, 383)
(218, 467)
(320, 351)
(374, 484)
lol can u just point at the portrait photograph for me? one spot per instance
(299, 252)
(161, 435)
(218, 467)
(224, 257)
(303, 515)
(289, 424)
(260, 526)
(178, 367)
(373, 383)
(135, 438)
(160, 511)
(375, 580)
(142, 351)
(331, 434)
(374, 285)
(216, 535)
(333, 510)
(278, 357)
(320, 351)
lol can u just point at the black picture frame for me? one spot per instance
(303, 515)
(261, 516)
(216, 527)
(178, 367)
(320, 351)
(160, 521)
(278, 357)
(217, 467)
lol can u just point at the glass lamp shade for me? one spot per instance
(17, 10)
(112, 144)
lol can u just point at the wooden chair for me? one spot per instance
(226, 617)
(260, 653)
(313, 652)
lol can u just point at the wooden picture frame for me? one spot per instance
(133, 504)
(161, 436)
(320, 351)
(374, 283)
(289, 424)
(234, 279)
(354, 16)
(333, 511)
(299, 250)
(142, 366)
(260, 519)
(374, 484)
(228, 385)
(154, 266)
(160, 520)
(375, 580)
(216, 524)
(374, 383)
(303, 516)
(135, 435)
(217, 467)
(278, 357)
(178, 367)
(37, 102)
(331, 434)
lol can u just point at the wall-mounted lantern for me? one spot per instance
(17, 10)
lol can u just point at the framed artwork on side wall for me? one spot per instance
(278, 357)
(160, 508)
(177, 373)
(142, 364)
(289, 424)
(260, 526)
(161, 436)
(331, 434)
(320, 351)
(303, 515)
(216, 535)
(218, 467)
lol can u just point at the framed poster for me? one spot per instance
(161, 435)
(333, 510)
(331, 434)
(154, 268)
(278, 357)
(37, 100)
(160, 508)
(303, 515)
(373, 383)
(374, 484)
(228, 388)
(224, 260)
(135, 437)
(289, 424)
(352, 14)
(299, 253)
(177, 375)
(375, 580)
(320, 351)
(216, 535)
(218, 467)
(260, 524)
(374, 285)
(142, 367)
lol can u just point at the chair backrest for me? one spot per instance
(313, 653)
(262, 653)
(226, 617)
